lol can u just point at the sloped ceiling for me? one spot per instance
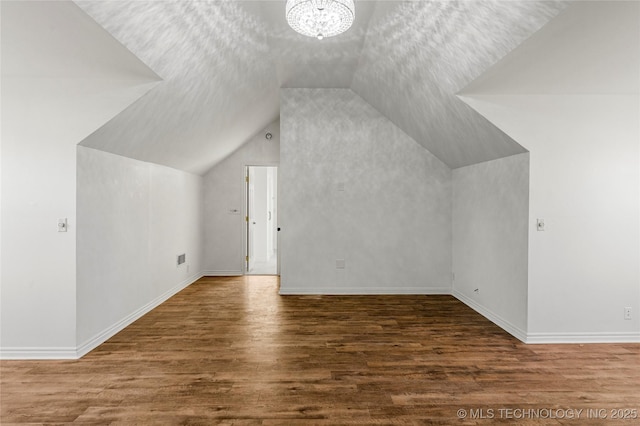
(417, 55)
(565, 76)
(219, 86)
(224, 62)
(71, 68)
(593, 50)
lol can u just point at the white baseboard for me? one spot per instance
(27, 353)
(346, 291)
(48, 353)
(222, 273)
(611, 337)
(34, 353)
(107, 333)
(515, 331)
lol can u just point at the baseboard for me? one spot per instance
(515, 331)
(604, 337)
(222, 273)
(107, 333)
(46, 353)
(350, 291)
(28, 353)
(36, 353)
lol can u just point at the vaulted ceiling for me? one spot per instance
(224, 62)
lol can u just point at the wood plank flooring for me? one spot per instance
(232, 351)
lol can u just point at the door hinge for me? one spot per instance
(246, 258)
(246, 179)
(246, 218)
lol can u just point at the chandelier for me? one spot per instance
(320, 18)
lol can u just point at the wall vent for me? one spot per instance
(182, 258)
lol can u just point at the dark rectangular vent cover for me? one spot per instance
(181, 259)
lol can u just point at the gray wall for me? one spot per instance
(490, 239)
(134, 218)
(225, 231)
(354, 187)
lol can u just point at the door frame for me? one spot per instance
(245, 227)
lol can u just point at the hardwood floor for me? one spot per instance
(232, 351)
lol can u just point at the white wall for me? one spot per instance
(38, 263)
(134, 218)
(354, 187)
(585, 184)
(59, 84)
(584, 172)
(224, 191)
(490, 239)
(570, 95)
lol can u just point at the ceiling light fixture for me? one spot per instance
(320, 18)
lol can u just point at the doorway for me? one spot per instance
(261, 220)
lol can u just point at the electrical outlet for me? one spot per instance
(627, 313)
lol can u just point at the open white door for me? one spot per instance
(262, 220)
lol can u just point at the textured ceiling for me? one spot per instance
(223, 63)
(219, 86)
(420, 54)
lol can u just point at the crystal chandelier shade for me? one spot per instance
(320, 18)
